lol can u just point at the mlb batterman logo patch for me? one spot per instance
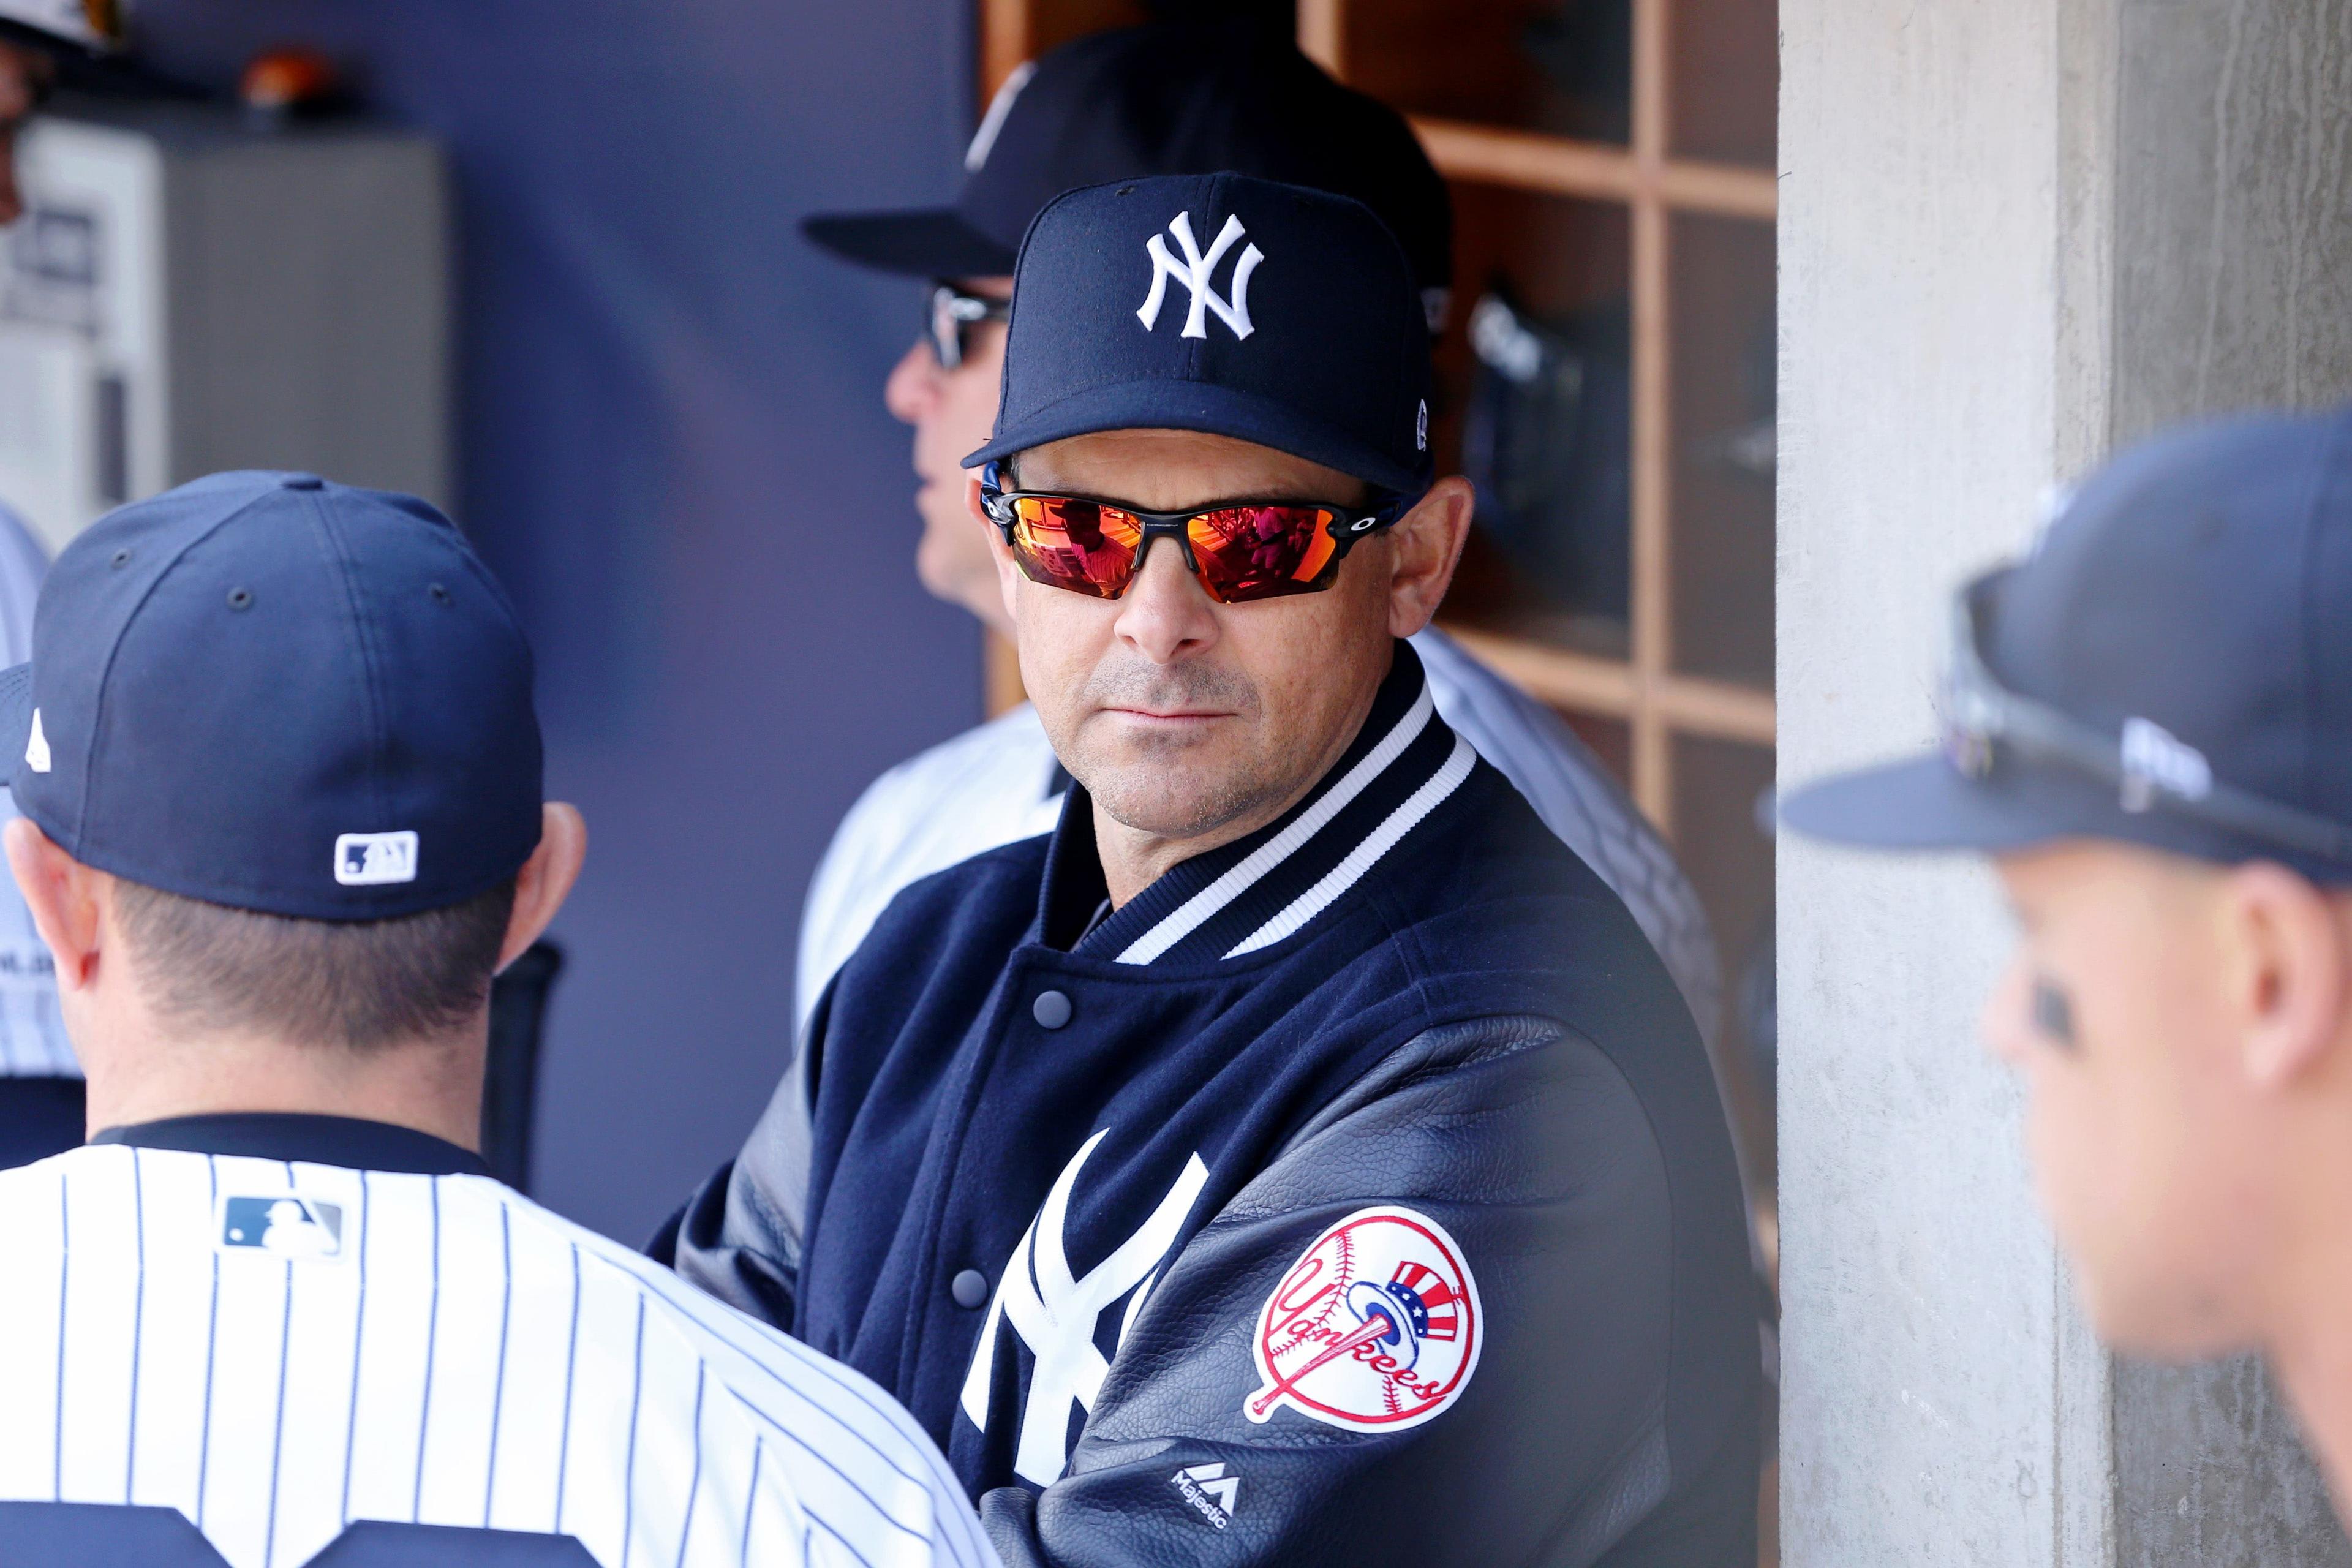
(1376, 1329)
(365, 859)
(285, 1224)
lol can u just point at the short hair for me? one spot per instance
(358, 984)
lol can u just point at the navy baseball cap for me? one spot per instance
(276, 693)
(2171, 666)
(1225, 304)
(1172, 98)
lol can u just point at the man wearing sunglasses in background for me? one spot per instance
(1163, 99)
(1299, 1155)
(2148, 727)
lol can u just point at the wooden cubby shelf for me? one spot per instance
(1594, 171)
(1586, 682)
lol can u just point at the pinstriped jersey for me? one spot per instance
(279, 1349)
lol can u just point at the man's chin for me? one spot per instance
(1143, 796)
(1170, 821)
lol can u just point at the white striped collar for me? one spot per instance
(1247, 895)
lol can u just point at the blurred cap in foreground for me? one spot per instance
(2170, 665)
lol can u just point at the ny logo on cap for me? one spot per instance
(1194, 273)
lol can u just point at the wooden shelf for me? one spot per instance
(1689, 704)
(1530, 160)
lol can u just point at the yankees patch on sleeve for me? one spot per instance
(1376, 1329)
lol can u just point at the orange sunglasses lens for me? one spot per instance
(1261, 551)
(1075, 544)
(1240, 552)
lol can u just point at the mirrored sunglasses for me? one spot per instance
(950, 317)
(1240, 550)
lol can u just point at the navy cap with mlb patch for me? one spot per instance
(1225, 304)
(277, 693)
(2171, 665)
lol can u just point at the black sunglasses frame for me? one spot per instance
(2148, 767)
(950, 313)
(1347, 527)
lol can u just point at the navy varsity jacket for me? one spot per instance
(1358, 1193)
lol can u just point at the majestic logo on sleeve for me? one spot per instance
(1194, 272)
(1376, 1329)
(1210, 1490)
(1056, 1313)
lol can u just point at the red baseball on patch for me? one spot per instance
(1376, 1329)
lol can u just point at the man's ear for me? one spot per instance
(546, 879)
(2289, 975)
(1425, 545)
(1008, 574)
(65, 896)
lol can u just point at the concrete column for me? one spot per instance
(2013, 233)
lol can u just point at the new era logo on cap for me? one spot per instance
(365, 859)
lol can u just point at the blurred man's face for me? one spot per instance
(23, 75)
(1182, 716)
(2156, 1153)
(953, 411)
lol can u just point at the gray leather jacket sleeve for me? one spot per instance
(739, 1237)
(1527, 1144)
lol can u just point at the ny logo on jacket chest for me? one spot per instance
(1057, 1313)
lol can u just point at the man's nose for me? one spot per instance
(1164, 612)
(913, 389)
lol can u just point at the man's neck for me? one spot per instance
(430, 1086)
(2312, 1351)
